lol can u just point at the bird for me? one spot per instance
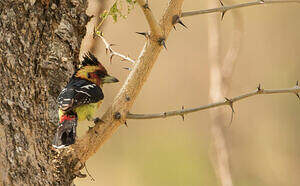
(79, 100)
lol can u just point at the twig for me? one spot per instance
(153, 24)
(218, 89)
(112, 52)
(88, 43)
(181, 112)
(226, 8)
(92, 179)
(87, 146)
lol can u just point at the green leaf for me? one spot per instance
(114, 8)
(118, 8)
(115, 17)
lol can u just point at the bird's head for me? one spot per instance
(92, 70)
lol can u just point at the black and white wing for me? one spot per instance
(79, 92)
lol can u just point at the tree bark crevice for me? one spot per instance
(39, 43)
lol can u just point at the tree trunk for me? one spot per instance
(39, 45)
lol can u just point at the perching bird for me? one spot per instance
(79, 100)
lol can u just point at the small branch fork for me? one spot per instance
(223, 8)
(115, 115)
(295, 90)
(109, 50)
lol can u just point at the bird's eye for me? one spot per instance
(89, 75)
(100, 74)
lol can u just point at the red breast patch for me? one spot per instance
(67, 117)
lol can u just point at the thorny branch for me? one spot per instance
(111, 51)
(227, 101)
(223, 8)
(153, 24)
(219, 86)
(86, 146)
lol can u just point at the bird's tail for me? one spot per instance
(66, 131)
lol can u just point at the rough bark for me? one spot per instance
(39, 45)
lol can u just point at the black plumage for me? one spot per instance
(79, 92)
(90, 60)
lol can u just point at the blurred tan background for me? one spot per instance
(263, 140)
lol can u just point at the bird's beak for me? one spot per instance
(109, 79)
